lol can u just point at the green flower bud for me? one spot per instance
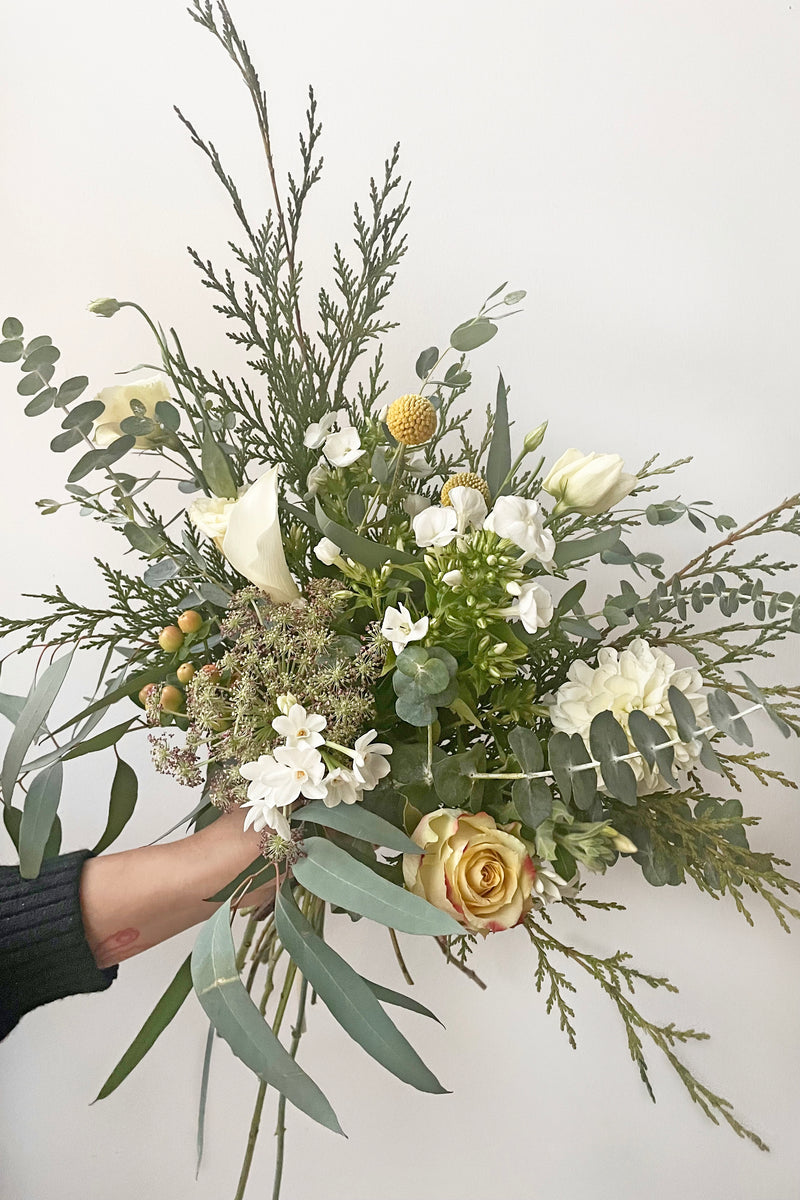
(105, 307)
(534, 439)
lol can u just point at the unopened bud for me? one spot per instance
(534, 439)
(500, 648)
(621, 843)
(453, 578)
(286, 701)
(105, 307)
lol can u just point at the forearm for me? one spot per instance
(135, 899)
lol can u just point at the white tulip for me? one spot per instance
(435, 526)
(470, 508)
(520, 521)
(117, 400)
(588, 483)
(252, 543)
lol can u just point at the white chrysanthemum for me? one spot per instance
(636, 678)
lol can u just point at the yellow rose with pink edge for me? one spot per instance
(478, 872)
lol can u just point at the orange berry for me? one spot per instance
(171, 698)
(146, 692)
(170, 639)
(190, 621)
(212, 671)
(185, 673)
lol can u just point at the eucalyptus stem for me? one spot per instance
(401, 962)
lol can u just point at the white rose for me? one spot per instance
(588, 483)
(117, 400)
(252, 543)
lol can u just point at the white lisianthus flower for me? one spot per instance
(533, 607)
(520, 521)
(638, 677)
(342, 788)
(327, 552)
(435, 526)
(470, 508)
(370, 763)
(343, 448)
(117, 401)
(211, 514)
(252, 543)
(317, 477)
(318, 430)
(400, 628)
(588, 483)
(300, 728)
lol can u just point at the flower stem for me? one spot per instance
(401, 962)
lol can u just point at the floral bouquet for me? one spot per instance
(362, 621)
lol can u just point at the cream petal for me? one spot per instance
(252, 543)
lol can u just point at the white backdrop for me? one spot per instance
(635, 166)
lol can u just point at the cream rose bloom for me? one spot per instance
(588, 483)
(479, 873)
(211, 514)
(636, 678)
(149, 392)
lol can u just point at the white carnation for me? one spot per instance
(636, 678)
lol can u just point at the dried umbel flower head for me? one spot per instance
(411, 420)
(468, 479)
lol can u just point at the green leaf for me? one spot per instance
(37, 706)
(41, 403)
(335, 876)
(363, 550)
(570, 598)
(756, 694)
(101, 741)
(498, 463)
(261, 872)
(156, 1023)
(37, 342)
(429, 674)
(146, 541)
(201, 1106)
(725, 715)
(360, 823)
(30, 384)
(350, 1000)
(70, 390)
(608, 742)
(12, 328)
(11, 351)
(12, 819)
(533, 801)
(216, 468)
(95, 460)
(134, 684)
(83, 415)
(65, 441)
(237, 1019)
(38, 816)
(684, 714)
(213, 594)
(124, 792)
(513, 298)
(137, 426)
(527, 749)
(472, 334)
(355, 507)
(575, 551)
(648, 738)
(579, 627)
(388, 996)
(452, 777)
(168, 416)
(41, 356)
(160, 572)
(11, 706)
(427, 361)
(379, 466)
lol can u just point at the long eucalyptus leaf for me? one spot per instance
(389, 996)
(237, 1019)
(498, 464)
(569, 552)
(38, 816)
(351, 1001)
(337, 877)
(359, 823)
(11, 706)
(363, 550)
(201, 1107)
(166, 1008)
(78, 746)
(132, 685)
(29, 722)
(124, 792)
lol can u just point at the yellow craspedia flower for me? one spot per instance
(411, 420)
(467, 479)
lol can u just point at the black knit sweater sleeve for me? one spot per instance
(44, 954)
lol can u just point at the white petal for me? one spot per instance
(252, 543)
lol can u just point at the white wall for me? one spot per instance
(635, 165)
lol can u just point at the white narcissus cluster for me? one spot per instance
(117, 401)
(298, 769)
(638, 677)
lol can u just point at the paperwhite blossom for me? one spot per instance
(342, 788)
(520, 521)
(300, 728)
(400, 628)
(435, 526)
(470, 508)
(343, 448)
(533, 606)
(327, 551)
(638, 677)
(370, 764)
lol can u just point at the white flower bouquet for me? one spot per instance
(364, 621)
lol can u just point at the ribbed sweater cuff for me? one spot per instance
(44, 954)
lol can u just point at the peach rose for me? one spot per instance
(479, 873)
